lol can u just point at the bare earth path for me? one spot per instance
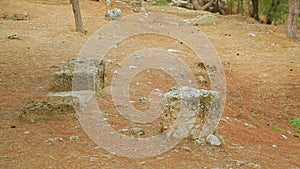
(263, 89)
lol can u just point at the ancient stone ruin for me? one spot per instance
(188, 112)
(191, 110)
(87, 79)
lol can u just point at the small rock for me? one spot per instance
(12, 126)
(137, 131)
(253, 165)
(249, 125)
(274, 146)
(141, 163)
(26, 132)
(32, 121)
(132, 67)
(251, 34)
(54, 139)
(114, 14)
(240, 163)
(284, 136)
(173, 51)
(108, 2)
(186, 148)
(93, 158)
(116, 72)
(14, 36)
(202, 79)
(123, 130)
(213, 140)
(143, 100)
(72, 138)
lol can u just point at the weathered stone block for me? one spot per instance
(57, 108)
(191, 112)
(81, 74)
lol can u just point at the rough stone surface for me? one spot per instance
(213, 140)
(16, 17)
(88, 75)
(199, 116)
(207, 18)
(57, 108)
(114, 14)
(182, 3)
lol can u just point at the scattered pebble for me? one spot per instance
(251, 34)
(143, 100)
(26, 132)
(32, 121)
(114, 14)
(173, 51)
(141, 163)
(54, 139)
(137, 131)
(132, 67)
(72, 138)
(284, 136)
(274, 146)
(240, 163)
(202, 79)
(93, 158)
(186, 148)
(213, 140)
(14, 36)
(249, 125)
(253, 165)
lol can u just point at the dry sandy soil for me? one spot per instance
(263, 89)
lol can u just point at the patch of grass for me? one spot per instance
(295, 122)
(254, 116)
(161, 3)
(276, 128)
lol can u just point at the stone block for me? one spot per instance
(81, 74)
(191, 112)
(52, 108)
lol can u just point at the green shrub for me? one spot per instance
(276, 128)
(161, 3)
(295, 122)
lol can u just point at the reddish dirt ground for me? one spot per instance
(262, 74)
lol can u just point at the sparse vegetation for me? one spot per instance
(254, 116)
(276, 128)
(295, 122)
(161, 3)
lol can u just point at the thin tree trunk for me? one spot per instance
(240, 7)
(255, 10)
(292, 21)
(272, 10)
(196, 4)
(208, 4)
(231, 7)
(77, 16)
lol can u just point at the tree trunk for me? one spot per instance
(272, 10)
(196, 4)
(208, 4)
(255, 10)
(77, 16)
(240, 7)
(291, 28)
